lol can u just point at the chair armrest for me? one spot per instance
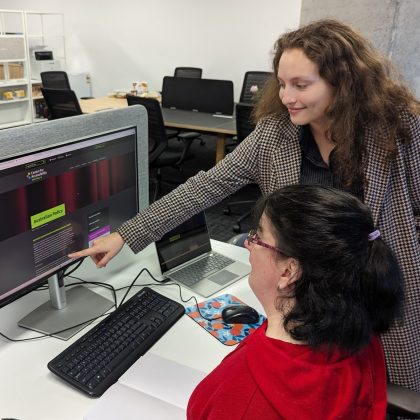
(238, 240)
(403, 401)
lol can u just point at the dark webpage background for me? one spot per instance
(105, 178)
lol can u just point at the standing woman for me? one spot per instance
(331, 115)
(359, 131)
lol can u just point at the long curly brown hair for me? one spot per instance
(368, 92)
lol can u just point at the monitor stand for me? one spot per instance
(67, 312)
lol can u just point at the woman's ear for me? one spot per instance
(290, 272)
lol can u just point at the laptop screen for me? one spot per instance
(187, 241)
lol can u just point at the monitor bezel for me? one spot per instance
(87, 127)
(41, 280)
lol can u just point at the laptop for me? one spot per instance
(186, 257)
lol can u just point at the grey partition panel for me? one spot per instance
(203, 95)
(23, 139)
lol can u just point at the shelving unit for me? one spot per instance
(38, 102)
(44, 30)
(15, 92)
(47, 30)
(22, 32)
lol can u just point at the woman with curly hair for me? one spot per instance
(333, 114)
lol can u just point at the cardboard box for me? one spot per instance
(16, 71)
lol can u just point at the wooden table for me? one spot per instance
(90, 106)
(220, 125)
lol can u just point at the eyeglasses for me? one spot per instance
(253, 238)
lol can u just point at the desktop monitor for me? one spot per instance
(77, 179)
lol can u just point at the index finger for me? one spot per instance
(83, 253)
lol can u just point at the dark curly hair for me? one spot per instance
(350, 287)
(368, 92)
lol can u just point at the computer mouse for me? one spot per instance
(240, 314)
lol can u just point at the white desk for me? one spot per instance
(29, 391)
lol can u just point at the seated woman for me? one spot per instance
(328, 285)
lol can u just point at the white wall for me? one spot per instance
(391, 25)
(121, 41)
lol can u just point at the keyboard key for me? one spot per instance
(202, 268)
(97, 359)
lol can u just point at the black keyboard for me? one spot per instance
(97, 359)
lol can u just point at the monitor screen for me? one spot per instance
(59, 199)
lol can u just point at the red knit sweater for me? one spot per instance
(266, 379)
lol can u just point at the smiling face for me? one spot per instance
(302, 90)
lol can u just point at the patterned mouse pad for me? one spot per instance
(228, 334)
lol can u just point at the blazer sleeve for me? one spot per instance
(203, 190)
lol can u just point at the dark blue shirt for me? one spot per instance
(314, 170)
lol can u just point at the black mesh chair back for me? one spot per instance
(194, 72)
(159, 153)
(253, 82)
(61, 103)
(244, 126)
(158, 140)
(244, 123)
(55, 80)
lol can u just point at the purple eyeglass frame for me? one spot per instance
(253, 238)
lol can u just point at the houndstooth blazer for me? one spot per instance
(271, 158)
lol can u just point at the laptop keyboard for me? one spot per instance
(200, 269)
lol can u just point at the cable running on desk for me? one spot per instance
(97, 359)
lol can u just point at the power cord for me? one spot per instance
(158, 282)
(47, 335)
(164, 282)
(61, 275)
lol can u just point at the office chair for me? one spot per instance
(61, 103)
(244, 126)
(55, 80)
(253, 82)
(402, 402)
(159, 154)
(194, 72)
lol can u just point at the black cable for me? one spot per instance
(47, 335)
(116, 305)
(81, 281)
(135, 279)
(164, 283)
(73, 269)
(61, 274)
(96, 283)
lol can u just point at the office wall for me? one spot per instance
(123, 41)
(391, 25)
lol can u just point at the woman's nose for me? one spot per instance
(286, 96)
